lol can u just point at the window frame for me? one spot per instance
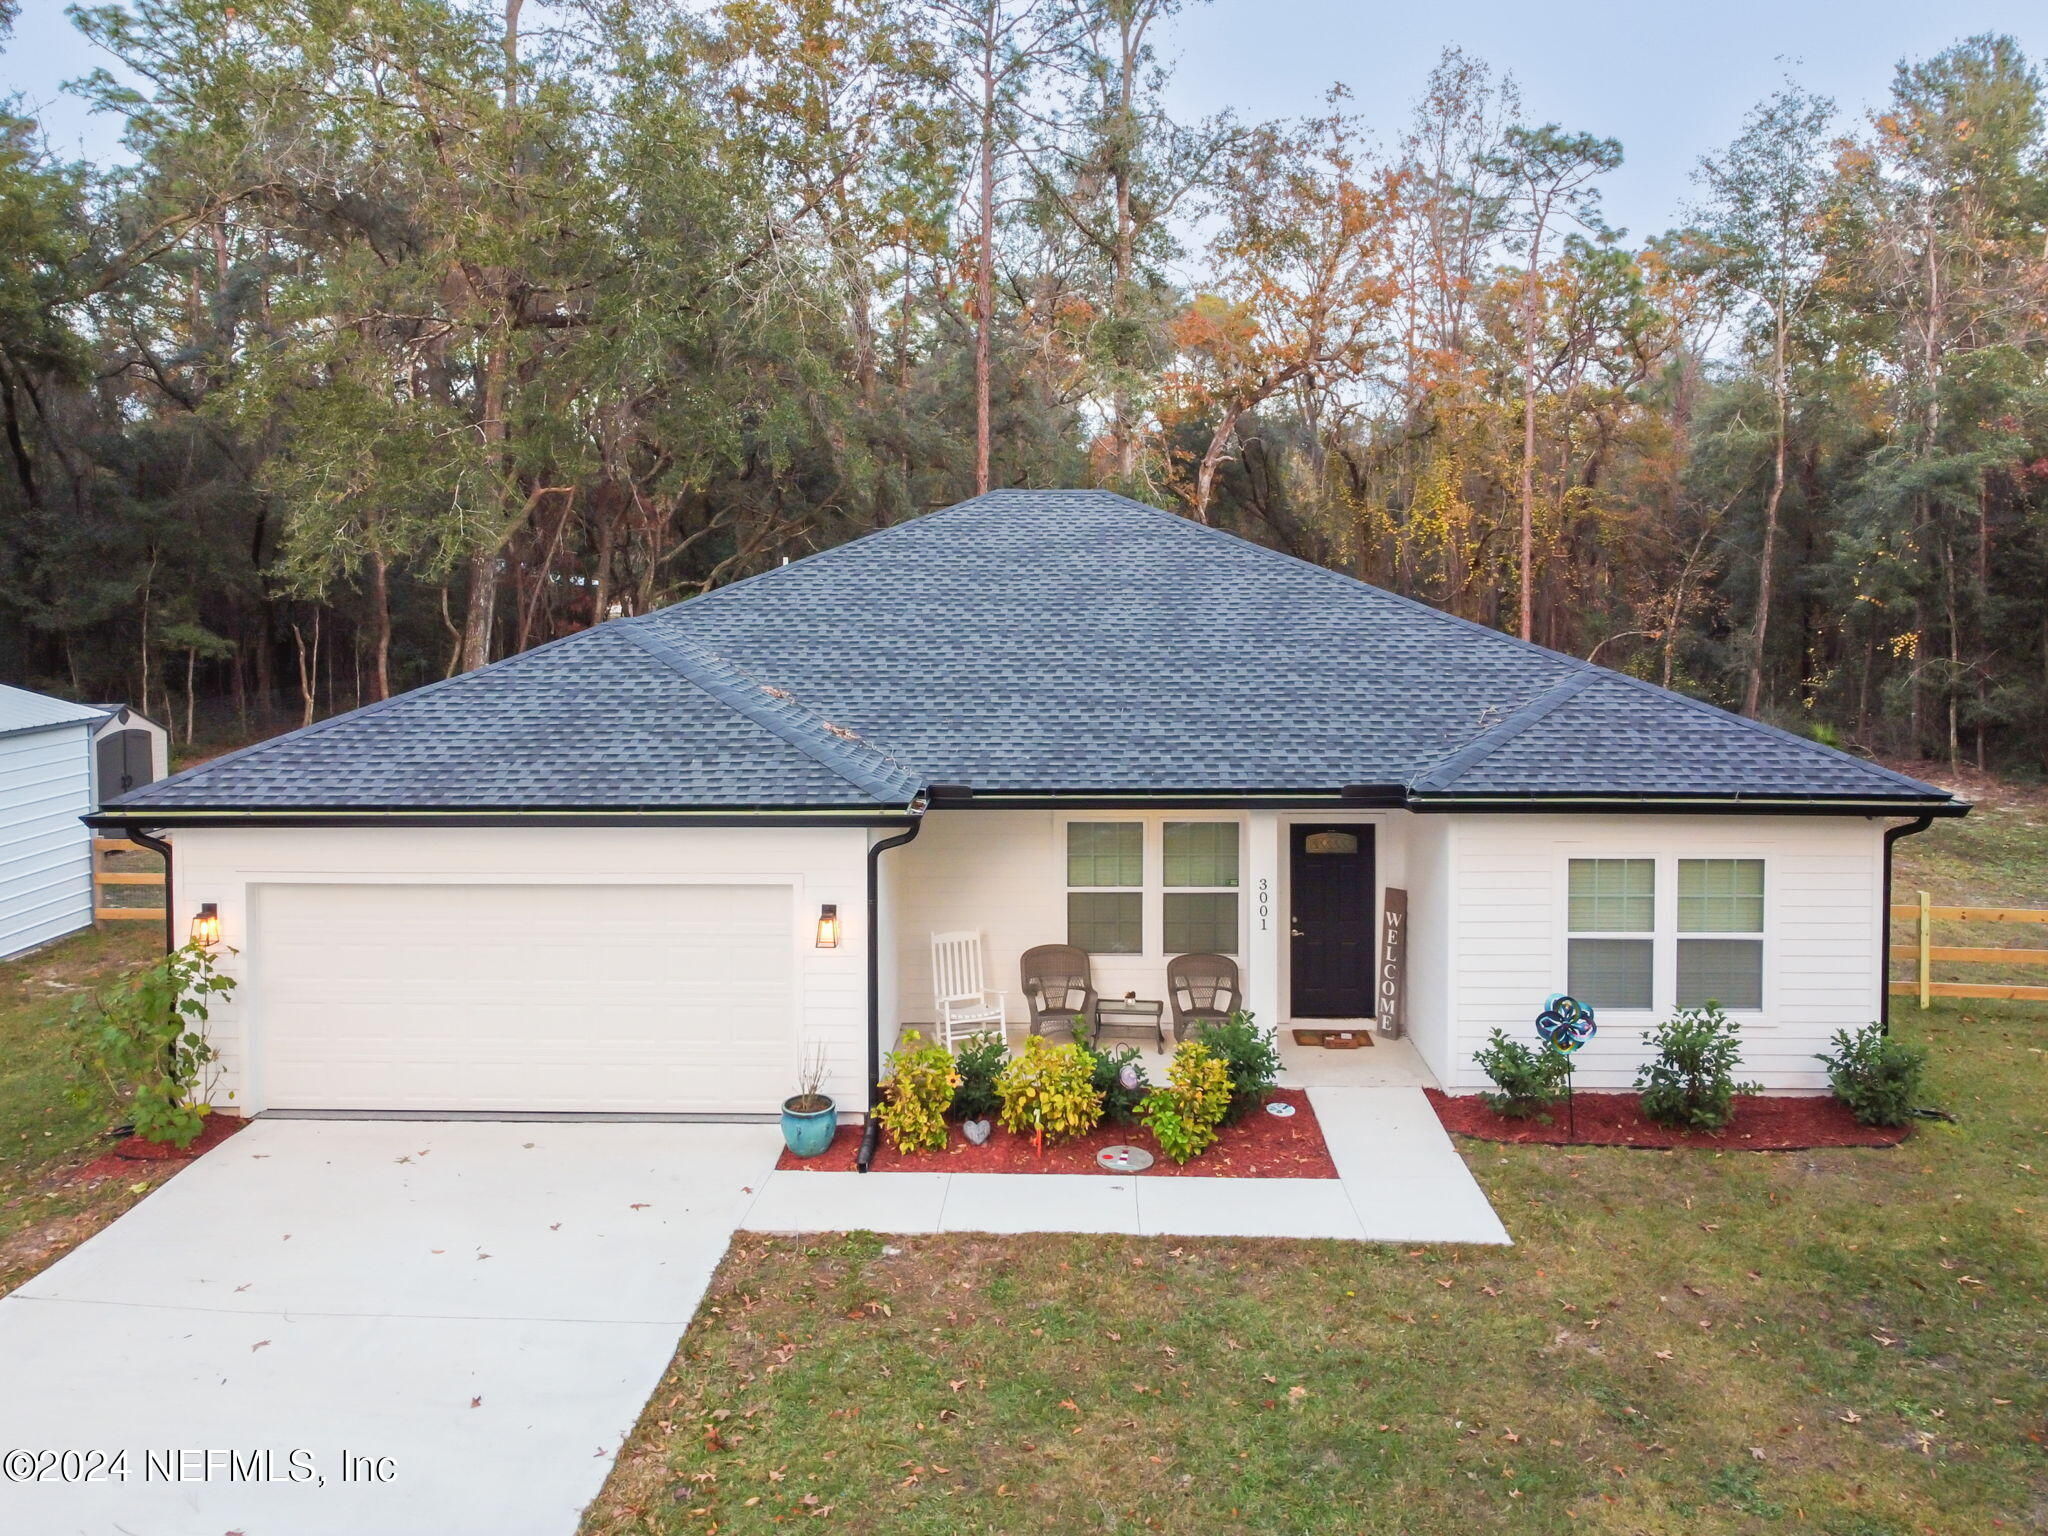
(1624, 935)
(1235, 892)
(1152, 888)
(1758, 935)
(1665, 935)
(1069, 890)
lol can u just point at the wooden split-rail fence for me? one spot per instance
(103, 877)
(1924, 915)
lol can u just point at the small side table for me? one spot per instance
(1132, 1013)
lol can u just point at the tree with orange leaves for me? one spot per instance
(1302, 288)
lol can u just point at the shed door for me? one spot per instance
(660, 998)
(124, 762)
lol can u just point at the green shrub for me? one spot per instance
(1691, 1083)
(144, 1040)
(1183, 1115)
(1529, 1078)
(919, 1084)
(1049, 1088)
(1249, 1056)
(1120, 1099)
(978, 1063)
(1877, 1075)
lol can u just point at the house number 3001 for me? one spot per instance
(1265, 903)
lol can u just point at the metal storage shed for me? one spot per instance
(45, 787)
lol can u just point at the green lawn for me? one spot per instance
(1848, 1342)
(44, 1137)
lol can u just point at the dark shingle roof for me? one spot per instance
(1026, 642)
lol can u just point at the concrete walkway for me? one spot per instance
(1400, 1179)
(473, 1314)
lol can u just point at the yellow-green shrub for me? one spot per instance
(1049, 1088)
(920, 1088)
(1183, 1115)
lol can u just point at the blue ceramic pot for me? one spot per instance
(808, 1132)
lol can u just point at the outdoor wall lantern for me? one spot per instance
(206, 926)
(828, 926)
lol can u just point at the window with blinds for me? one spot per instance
(1722, 897)
(1199, 863)
(1612, 955)
(1105, 886)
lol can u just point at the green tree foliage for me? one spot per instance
(420, 332)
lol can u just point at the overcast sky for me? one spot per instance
(1670, 81)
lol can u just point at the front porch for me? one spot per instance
(1301, 901)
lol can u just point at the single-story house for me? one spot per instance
(645, 868)
(46, 785)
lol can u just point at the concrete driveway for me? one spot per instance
(368, 1328)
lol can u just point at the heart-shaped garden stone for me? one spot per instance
(975, 1131)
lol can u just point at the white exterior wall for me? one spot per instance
(1823, 900)
(45, 850)
(1486, 902)
(228, 865)
(1432, 935)
(995, 871)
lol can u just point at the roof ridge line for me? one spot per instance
(1447, 770)
(777, 711)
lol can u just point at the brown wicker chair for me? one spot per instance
(1201, 987)
(1057, 985)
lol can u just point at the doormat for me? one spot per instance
(1333, 1039)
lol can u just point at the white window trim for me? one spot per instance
(1145, 868)
(1664, 939)
(1237, 890)
(1637, 936)
(1152, 887)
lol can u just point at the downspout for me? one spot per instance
(158, 845)
(1884, 986)
(872, 1133)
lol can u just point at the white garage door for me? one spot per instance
(638, 998)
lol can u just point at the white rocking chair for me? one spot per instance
(966, 1007)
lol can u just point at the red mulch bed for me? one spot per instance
(1763, 1123)
(130, 1150)
(1260, 1146)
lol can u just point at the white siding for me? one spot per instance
(232, 866)
(45, 850)
(1431, 952)
(1823, 879)
(995, 871)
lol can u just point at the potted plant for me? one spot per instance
(809, 1117)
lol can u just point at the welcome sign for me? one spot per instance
(1390, 975)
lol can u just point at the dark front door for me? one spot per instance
(1330, 883)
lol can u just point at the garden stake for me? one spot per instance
(1567, 1024)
